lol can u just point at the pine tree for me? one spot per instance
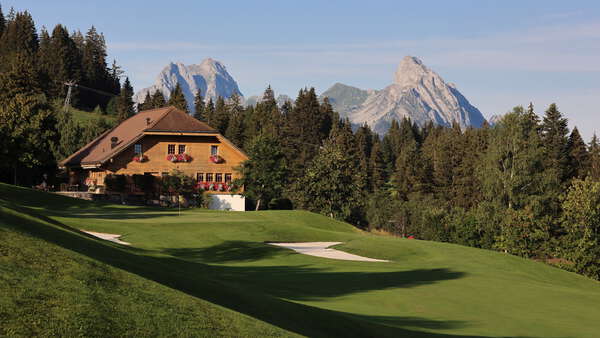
(147, 104)
(19, 38)
(210, 112)
(594, 159)
(2, 22)
(578, 156)
(235, 128)
(59, 61)
(554, 138)
(158, 100)
(376, 166)
(125, 102)
(95, 73)
(220, 118)
(177, 99)
(199, 107)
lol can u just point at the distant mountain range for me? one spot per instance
(210, 77)
(417, 93)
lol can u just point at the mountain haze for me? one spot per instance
(210, 77)
(417, 93)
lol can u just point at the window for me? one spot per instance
(219, 178)
(137, 148)
(227, 178)
(209, 177)
(171, 149)
(200, 177)
(181, 149)
(214, 150)
(164, 174)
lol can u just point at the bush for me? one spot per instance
(115, 183)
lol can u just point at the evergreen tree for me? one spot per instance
(147, 104)
(125, 102)
(554, 138)
(209, 112)
(177, 99)
(594, 159)
(264, 175)
(199, 107)
(158, 100)
(578, 156)
(2, 22)
(220, 118)
(59, 61)
(19, 38)
(235, 127)
(376, 166)
(70, 138)
(95, 73)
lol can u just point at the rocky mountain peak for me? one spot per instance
(410, 71)
(210, 77)
(417, 93)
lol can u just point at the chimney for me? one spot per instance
(147, 121)
(113, 142)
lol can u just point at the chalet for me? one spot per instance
(156, 142)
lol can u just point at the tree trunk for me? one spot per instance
(257, 205)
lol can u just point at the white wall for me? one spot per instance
(227, 202)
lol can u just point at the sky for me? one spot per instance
(500, 54)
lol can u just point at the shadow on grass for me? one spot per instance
(255, 291)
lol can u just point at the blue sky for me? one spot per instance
(498, 53)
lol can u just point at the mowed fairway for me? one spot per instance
(427, 290)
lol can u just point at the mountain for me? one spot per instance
(210, 76)
(344, 98)
(417, 93)
(254, 99)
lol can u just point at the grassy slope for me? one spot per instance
(430, 289)
(47, 290)
(84, 117)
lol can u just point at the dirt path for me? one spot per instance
(321, 249)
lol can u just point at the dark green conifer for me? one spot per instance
(125, 102)
(158, 100)
(199, 107)
(578, 156)
(594, 158)
(554, 138)
(177, 99)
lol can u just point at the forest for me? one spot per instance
(527, 185)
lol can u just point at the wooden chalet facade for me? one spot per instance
(156, 142)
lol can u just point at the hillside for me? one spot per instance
(207, 260)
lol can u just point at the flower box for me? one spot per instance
(140, 158)
(216, 159)
(179, 158)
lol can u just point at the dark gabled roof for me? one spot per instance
(167, 119)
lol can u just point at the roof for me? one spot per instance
(167, 119)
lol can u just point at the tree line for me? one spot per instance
(526, 186)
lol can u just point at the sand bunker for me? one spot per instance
(108, 237)
(320, 249)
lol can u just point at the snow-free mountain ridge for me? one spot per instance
(417, 93)
(210, 77)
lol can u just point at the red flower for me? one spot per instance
(216, 159)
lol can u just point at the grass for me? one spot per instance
(215, 267)
(85, 117)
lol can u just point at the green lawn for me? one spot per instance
(205, 257)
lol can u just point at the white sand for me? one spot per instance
(320, 249)
(109, 237)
